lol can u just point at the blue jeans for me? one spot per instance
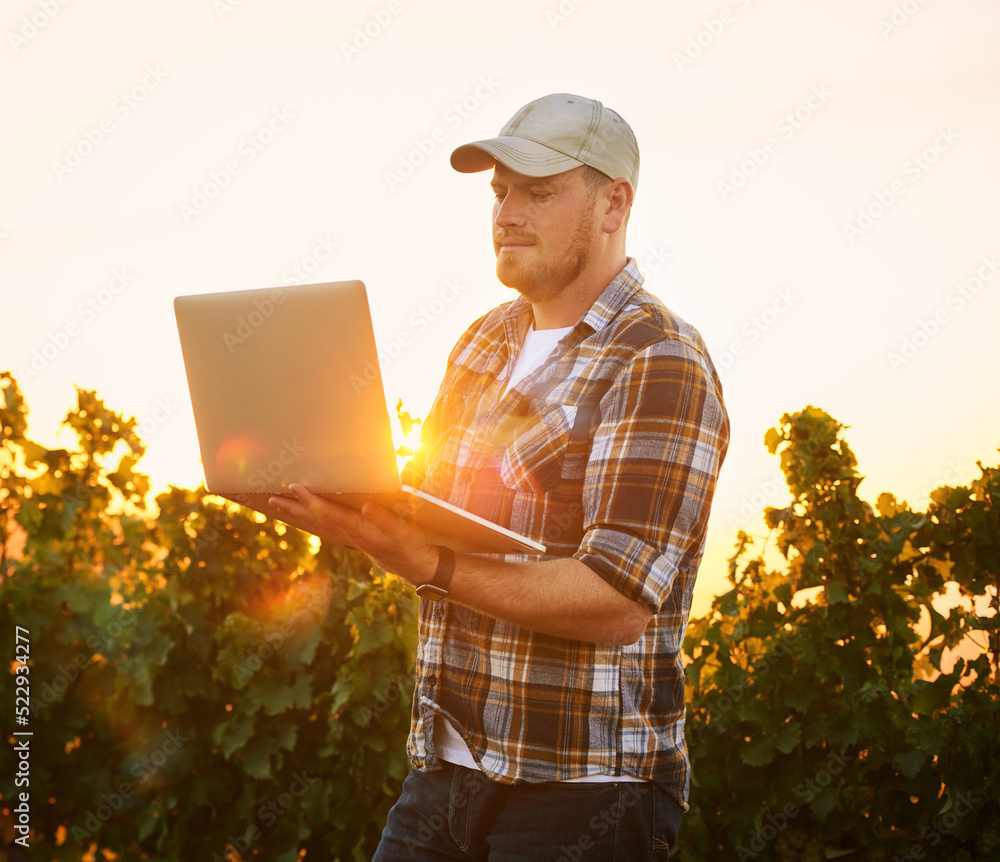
(459, 814)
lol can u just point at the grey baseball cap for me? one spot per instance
(557, 133)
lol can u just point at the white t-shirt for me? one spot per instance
(451, 747)
(538, 344)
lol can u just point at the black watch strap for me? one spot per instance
(437, 588)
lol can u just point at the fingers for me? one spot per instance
(380, 516)
(373, 526)
(319, 516)
(395, 543)
(319, 507)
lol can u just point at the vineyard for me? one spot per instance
(205, 684)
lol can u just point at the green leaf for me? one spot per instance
(287, 734)
(757, 752)
(824, 803)
(315, 802)
(783, 593)
(799, 698)
(836, 594)
(910, 763)
(370, 638)
(788, 738)
(232, 735)
(341, 693)
(275, 698)
(257, 757)
(750, 709)
(933, 696)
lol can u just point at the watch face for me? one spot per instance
(429, 591)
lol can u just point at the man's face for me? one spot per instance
(544, 230)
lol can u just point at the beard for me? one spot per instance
(542, 276)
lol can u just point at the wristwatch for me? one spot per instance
(437, 587)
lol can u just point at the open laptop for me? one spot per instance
(286, 387)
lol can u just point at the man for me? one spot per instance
(548, 716)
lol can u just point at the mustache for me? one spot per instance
(508, 237)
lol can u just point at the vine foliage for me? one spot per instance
(205, 684)
(836, 708)
(208, 684)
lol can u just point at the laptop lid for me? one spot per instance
(285, 387)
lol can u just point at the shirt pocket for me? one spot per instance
(533, 462)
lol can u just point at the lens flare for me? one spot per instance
(234, 457)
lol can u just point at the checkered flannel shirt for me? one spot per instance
(609, 453)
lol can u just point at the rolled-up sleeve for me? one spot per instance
(654, 462)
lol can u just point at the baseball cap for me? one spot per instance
(557, 133)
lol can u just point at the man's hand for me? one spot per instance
(397, 545)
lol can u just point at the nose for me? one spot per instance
(508, 212)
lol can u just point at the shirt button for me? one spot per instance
(432, 679)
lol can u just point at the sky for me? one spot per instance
(817, 195)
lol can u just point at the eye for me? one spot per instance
(541, 196)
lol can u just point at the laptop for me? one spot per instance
(286, 387)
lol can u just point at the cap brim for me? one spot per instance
(519, 154)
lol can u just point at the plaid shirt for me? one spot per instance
(608, 453)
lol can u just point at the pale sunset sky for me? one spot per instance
(817, 195)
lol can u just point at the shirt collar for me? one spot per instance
(604, 310)
(614, 297)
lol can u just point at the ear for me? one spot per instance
(619, 196)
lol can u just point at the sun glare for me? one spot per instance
(235, 454)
